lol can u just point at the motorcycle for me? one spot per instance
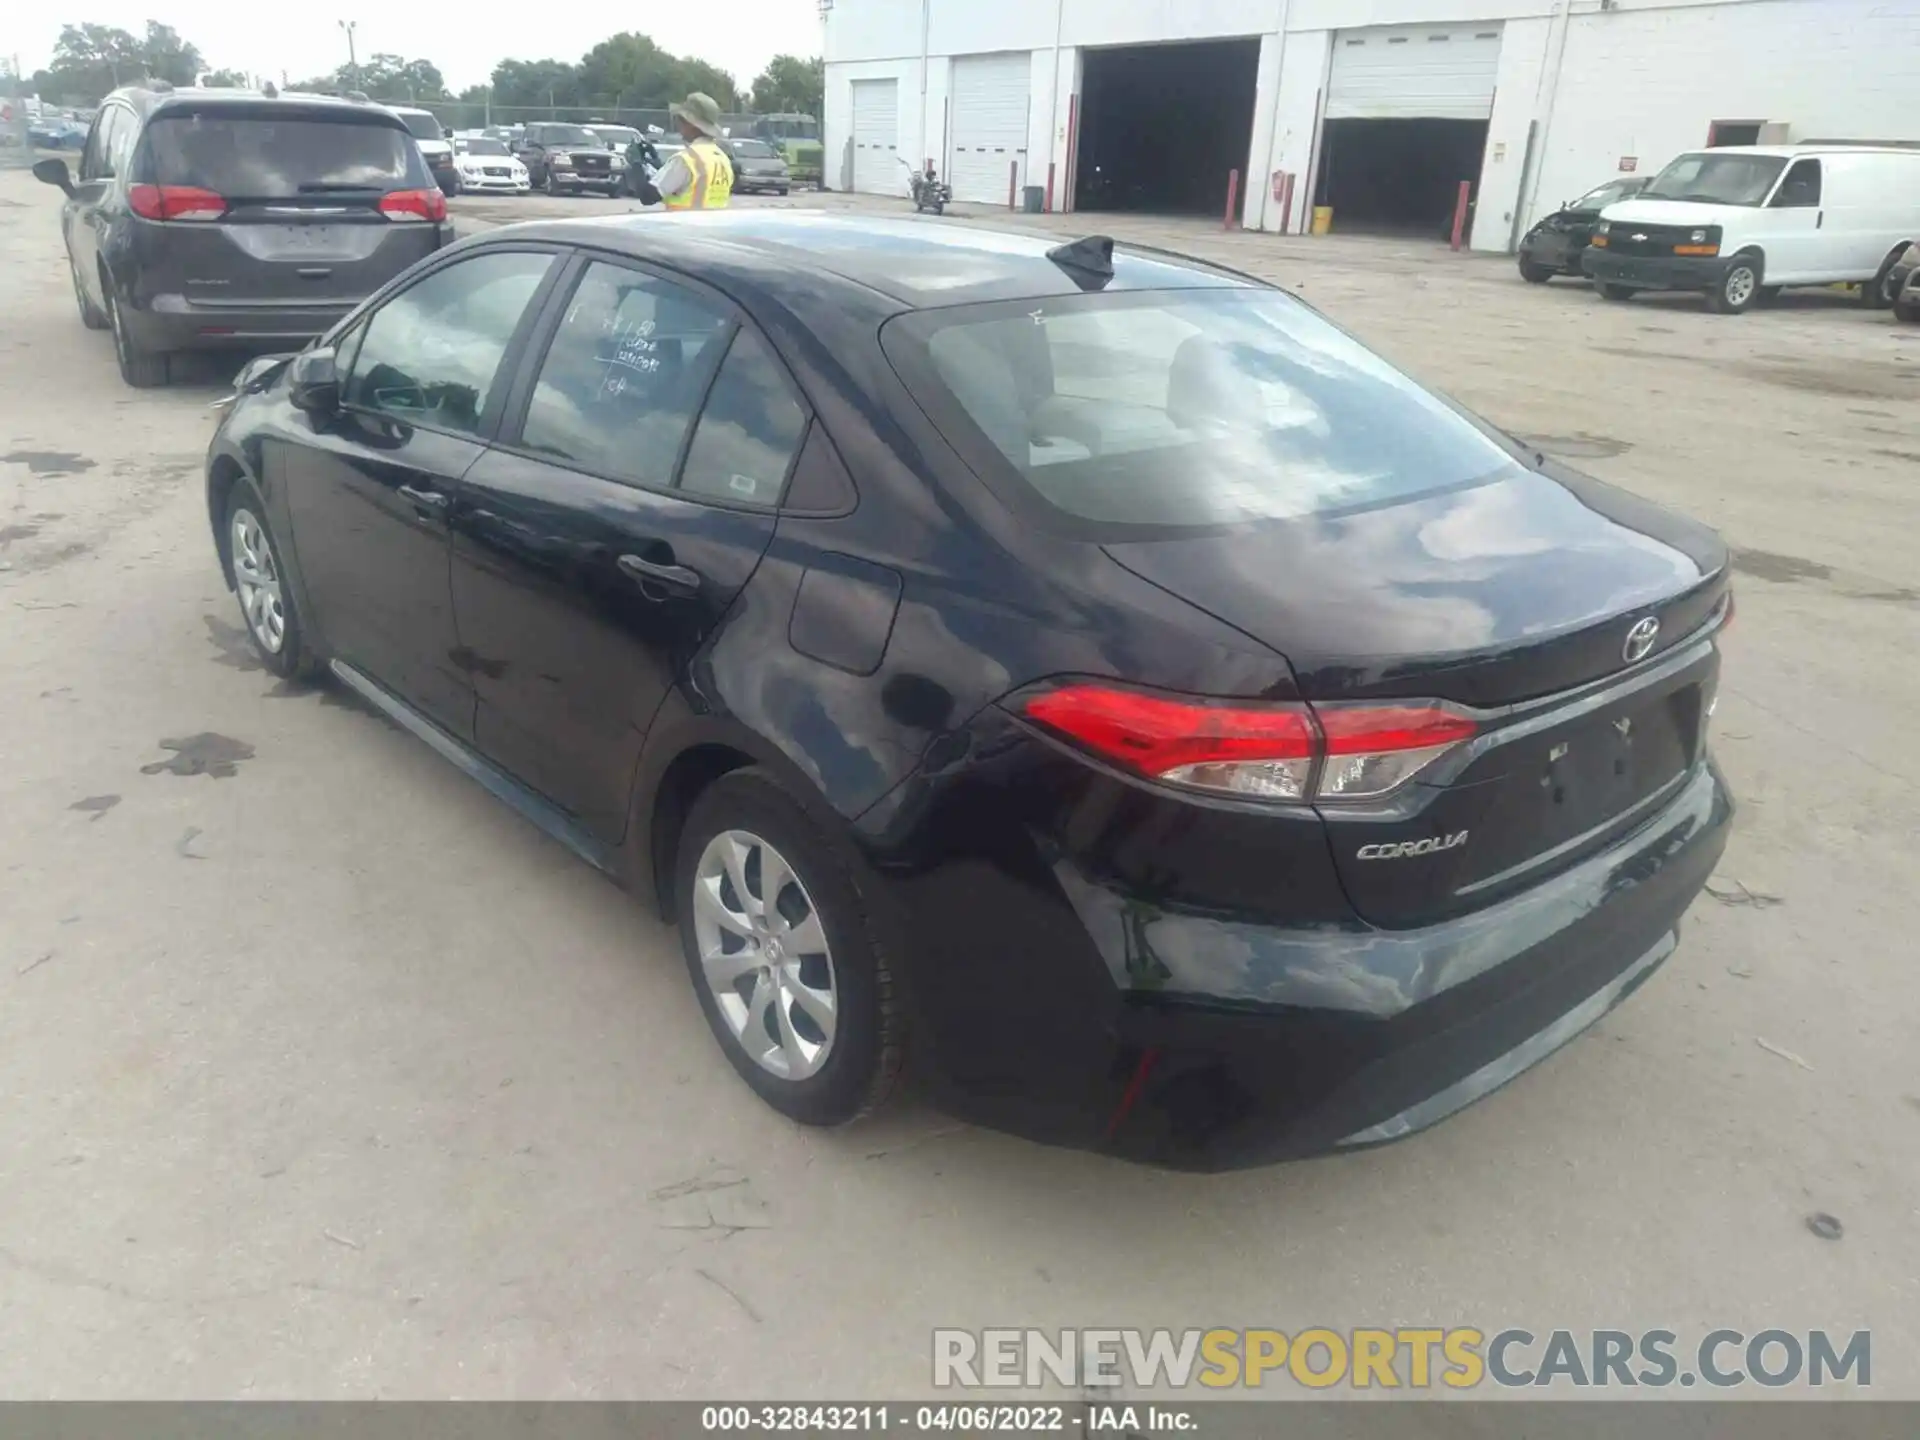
(930, 193)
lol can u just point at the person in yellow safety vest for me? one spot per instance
(700, 177)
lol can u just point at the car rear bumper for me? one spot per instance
(1310, 1040)
(172, 322)
(1653, 272)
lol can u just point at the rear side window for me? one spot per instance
(261, 157)
(624, 375)
(749, 431)
(1183, 408)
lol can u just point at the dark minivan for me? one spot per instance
(208, 218)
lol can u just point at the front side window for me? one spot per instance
(1184, 408)
(625, 373)
(1717, 178)
(430, 354)
(1801, 188)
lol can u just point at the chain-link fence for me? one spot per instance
(478, 114)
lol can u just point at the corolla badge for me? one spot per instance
(1404, 848)
(1640, 640)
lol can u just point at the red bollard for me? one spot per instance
(1460, 212)
(1233, 194)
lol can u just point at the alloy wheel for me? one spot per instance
(764, 954)
(258, 581)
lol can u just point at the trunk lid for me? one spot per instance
(1512, 599)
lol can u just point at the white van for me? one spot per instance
(1740, 222)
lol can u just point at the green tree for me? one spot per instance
(167, 57)
(792, 85)
(392, 79)
(536, 82)
(233, 79)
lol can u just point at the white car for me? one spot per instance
(488, 165)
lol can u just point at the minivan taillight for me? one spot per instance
(414, 205)
(175, 202)
(1291, 752)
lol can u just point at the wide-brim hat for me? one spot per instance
(700, 111)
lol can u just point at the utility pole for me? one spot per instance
(353, 59)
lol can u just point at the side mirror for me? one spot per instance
(313, 382)
(54, 172)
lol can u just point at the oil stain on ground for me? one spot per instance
(1577, 447)
(48, 462)
(95, 805)
(1791, 569)
(202, 754)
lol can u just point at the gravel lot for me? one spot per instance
(322, 1074)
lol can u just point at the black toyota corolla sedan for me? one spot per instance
(1079, 678)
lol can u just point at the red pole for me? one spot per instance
(1460, 212)
(1233, 194)
(1050, 187)
(1013, 183)
(1286, 204)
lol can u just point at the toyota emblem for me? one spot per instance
(1640, 640)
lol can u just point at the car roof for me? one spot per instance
(1792, 152)
(922, 263)
(147, 101)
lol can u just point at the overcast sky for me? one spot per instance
(464, 40)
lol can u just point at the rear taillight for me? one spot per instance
(175, 202)
(414, 205)
(1293, 752)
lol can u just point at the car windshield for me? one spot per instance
(1717, 179)
(249, 157)
(567, 135)
(1602, 196)
(1185, 409)
(752, 149)
(616, 136)
(423, 125)
(486, 147)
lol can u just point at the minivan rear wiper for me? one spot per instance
(328, 187)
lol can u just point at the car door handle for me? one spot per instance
(427, 504)
(674, 577)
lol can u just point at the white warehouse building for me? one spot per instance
(1376, 109)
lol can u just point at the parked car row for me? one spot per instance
(1738, 224)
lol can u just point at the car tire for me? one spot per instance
(91, 314)
(142, 369)
(1534, 273)
(1609, 291)
(1880, 292)
(768, 1018)
(1737, 288)
(781, 192)
(260, 584)
(1907, 311)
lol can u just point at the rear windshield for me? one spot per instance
(1183, 408)
(1717, 179)
(752, 149)
(241, 156)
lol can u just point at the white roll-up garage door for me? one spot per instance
(876, 138)
(1407, 72)
(990, 97)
